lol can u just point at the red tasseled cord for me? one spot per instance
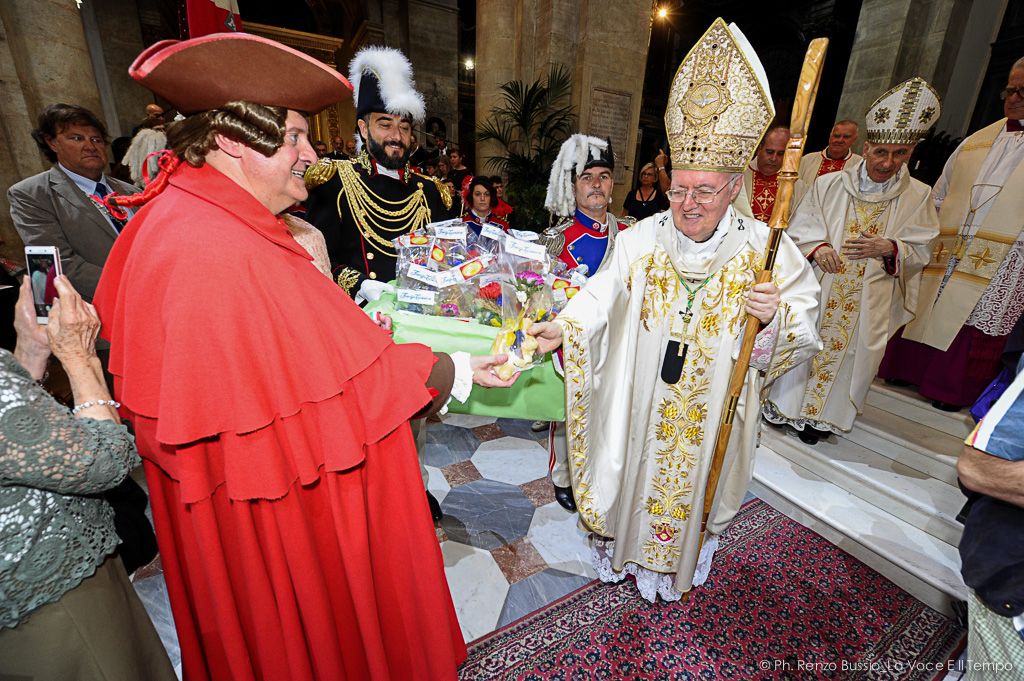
(167, 162)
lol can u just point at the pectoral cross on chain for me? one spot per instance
(675, 353)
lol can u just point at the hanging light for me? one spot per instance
(469, 64)
(662, 12)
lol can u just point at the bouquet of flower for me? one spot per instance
(525, 299)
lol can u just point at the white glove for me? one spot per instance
(372, 289)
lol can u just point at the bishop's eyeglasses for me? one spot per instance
(1007, 91)
(699, 195)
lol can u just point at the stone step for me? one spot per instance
(922, 565)
(906, 402)
(901, 439)
(927, 503)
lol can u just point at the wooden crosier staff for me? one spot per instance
(803, 104)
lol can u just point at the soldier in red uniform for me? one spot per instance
(579, 190)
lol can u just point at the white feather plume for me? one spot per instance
(573, 156)
(397, 87)
(146, 141)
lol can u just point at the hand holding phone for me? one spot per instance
(43, 264)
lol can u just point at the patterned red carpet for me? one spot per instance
(781, 603)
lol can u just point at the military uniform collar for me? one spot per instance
(590, 222)
(370, 166)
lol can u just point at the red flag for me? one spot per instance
(203, 17)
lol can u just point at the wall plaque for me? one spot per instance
(610, 118)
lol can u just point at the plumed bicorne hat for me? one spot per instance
(382, 82)
(207, 72)
(578, 153)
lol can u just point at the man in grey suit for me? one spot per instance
(62, 206)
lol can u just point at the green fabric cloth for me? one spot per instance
(538, 395)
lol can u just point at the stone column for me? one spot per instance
(434, 53)
(604, 46)
(120, 35)
(899, 39)
(499, 35)
(43, 59)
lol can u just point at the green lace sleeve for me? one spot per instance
(42, 445)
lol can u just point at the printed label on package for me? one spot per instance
(408, 295)
(421, 273)
(524, 249)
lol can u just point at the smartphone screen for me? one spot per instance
(42, 271)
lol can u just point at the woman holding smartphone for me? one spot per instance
(68, 611)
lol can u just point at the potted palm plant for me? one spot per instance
(529, 124)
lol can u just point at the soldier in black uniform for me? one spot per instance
(363, 204)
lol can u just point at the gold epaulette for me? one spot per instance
(446, 197)
(320, 172)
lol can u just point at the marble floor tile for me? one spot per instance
(152, 591)
(467, 420)
(556, 536)
(540, 491)
(538, 591)
(460, 473)
(437, 484)
(519, 428)
(512, 460)
(447, 445)
(477, 585)
(518, 560)
(488, 432)
(486, 514)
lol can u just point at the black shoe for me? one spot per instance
(435, 507)
(812, 435)
(898, 382)
(945, 406)
(808, 436)
(563, 495)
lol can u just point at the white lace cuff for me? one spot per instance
(764, 345)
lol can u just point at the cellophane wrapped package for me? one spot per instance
(525, 299)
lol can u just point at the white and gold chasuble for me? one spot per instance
(981, 224)
(862, 305)
(639, 448)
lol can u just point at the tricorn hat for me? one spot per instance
(578, 153)
(207, 72)
(382, 82)
(904, 114)
(719, 104)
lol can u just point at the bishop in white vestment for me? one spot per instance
(971, 289)
(869, 230)
(650, 343)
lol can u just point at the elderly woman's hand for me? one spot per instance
(73, 325)
(33, 347)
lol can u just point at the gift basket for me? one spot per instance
(459, 291)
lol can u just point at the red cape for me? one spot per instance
(272, 418)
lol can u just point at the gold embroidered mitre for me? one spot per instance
(904, 114)
(719, 105)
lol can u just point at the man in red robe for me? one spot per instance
(761, 178)
(270, 412)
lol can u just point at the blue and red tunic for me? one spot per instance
(586, 242)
